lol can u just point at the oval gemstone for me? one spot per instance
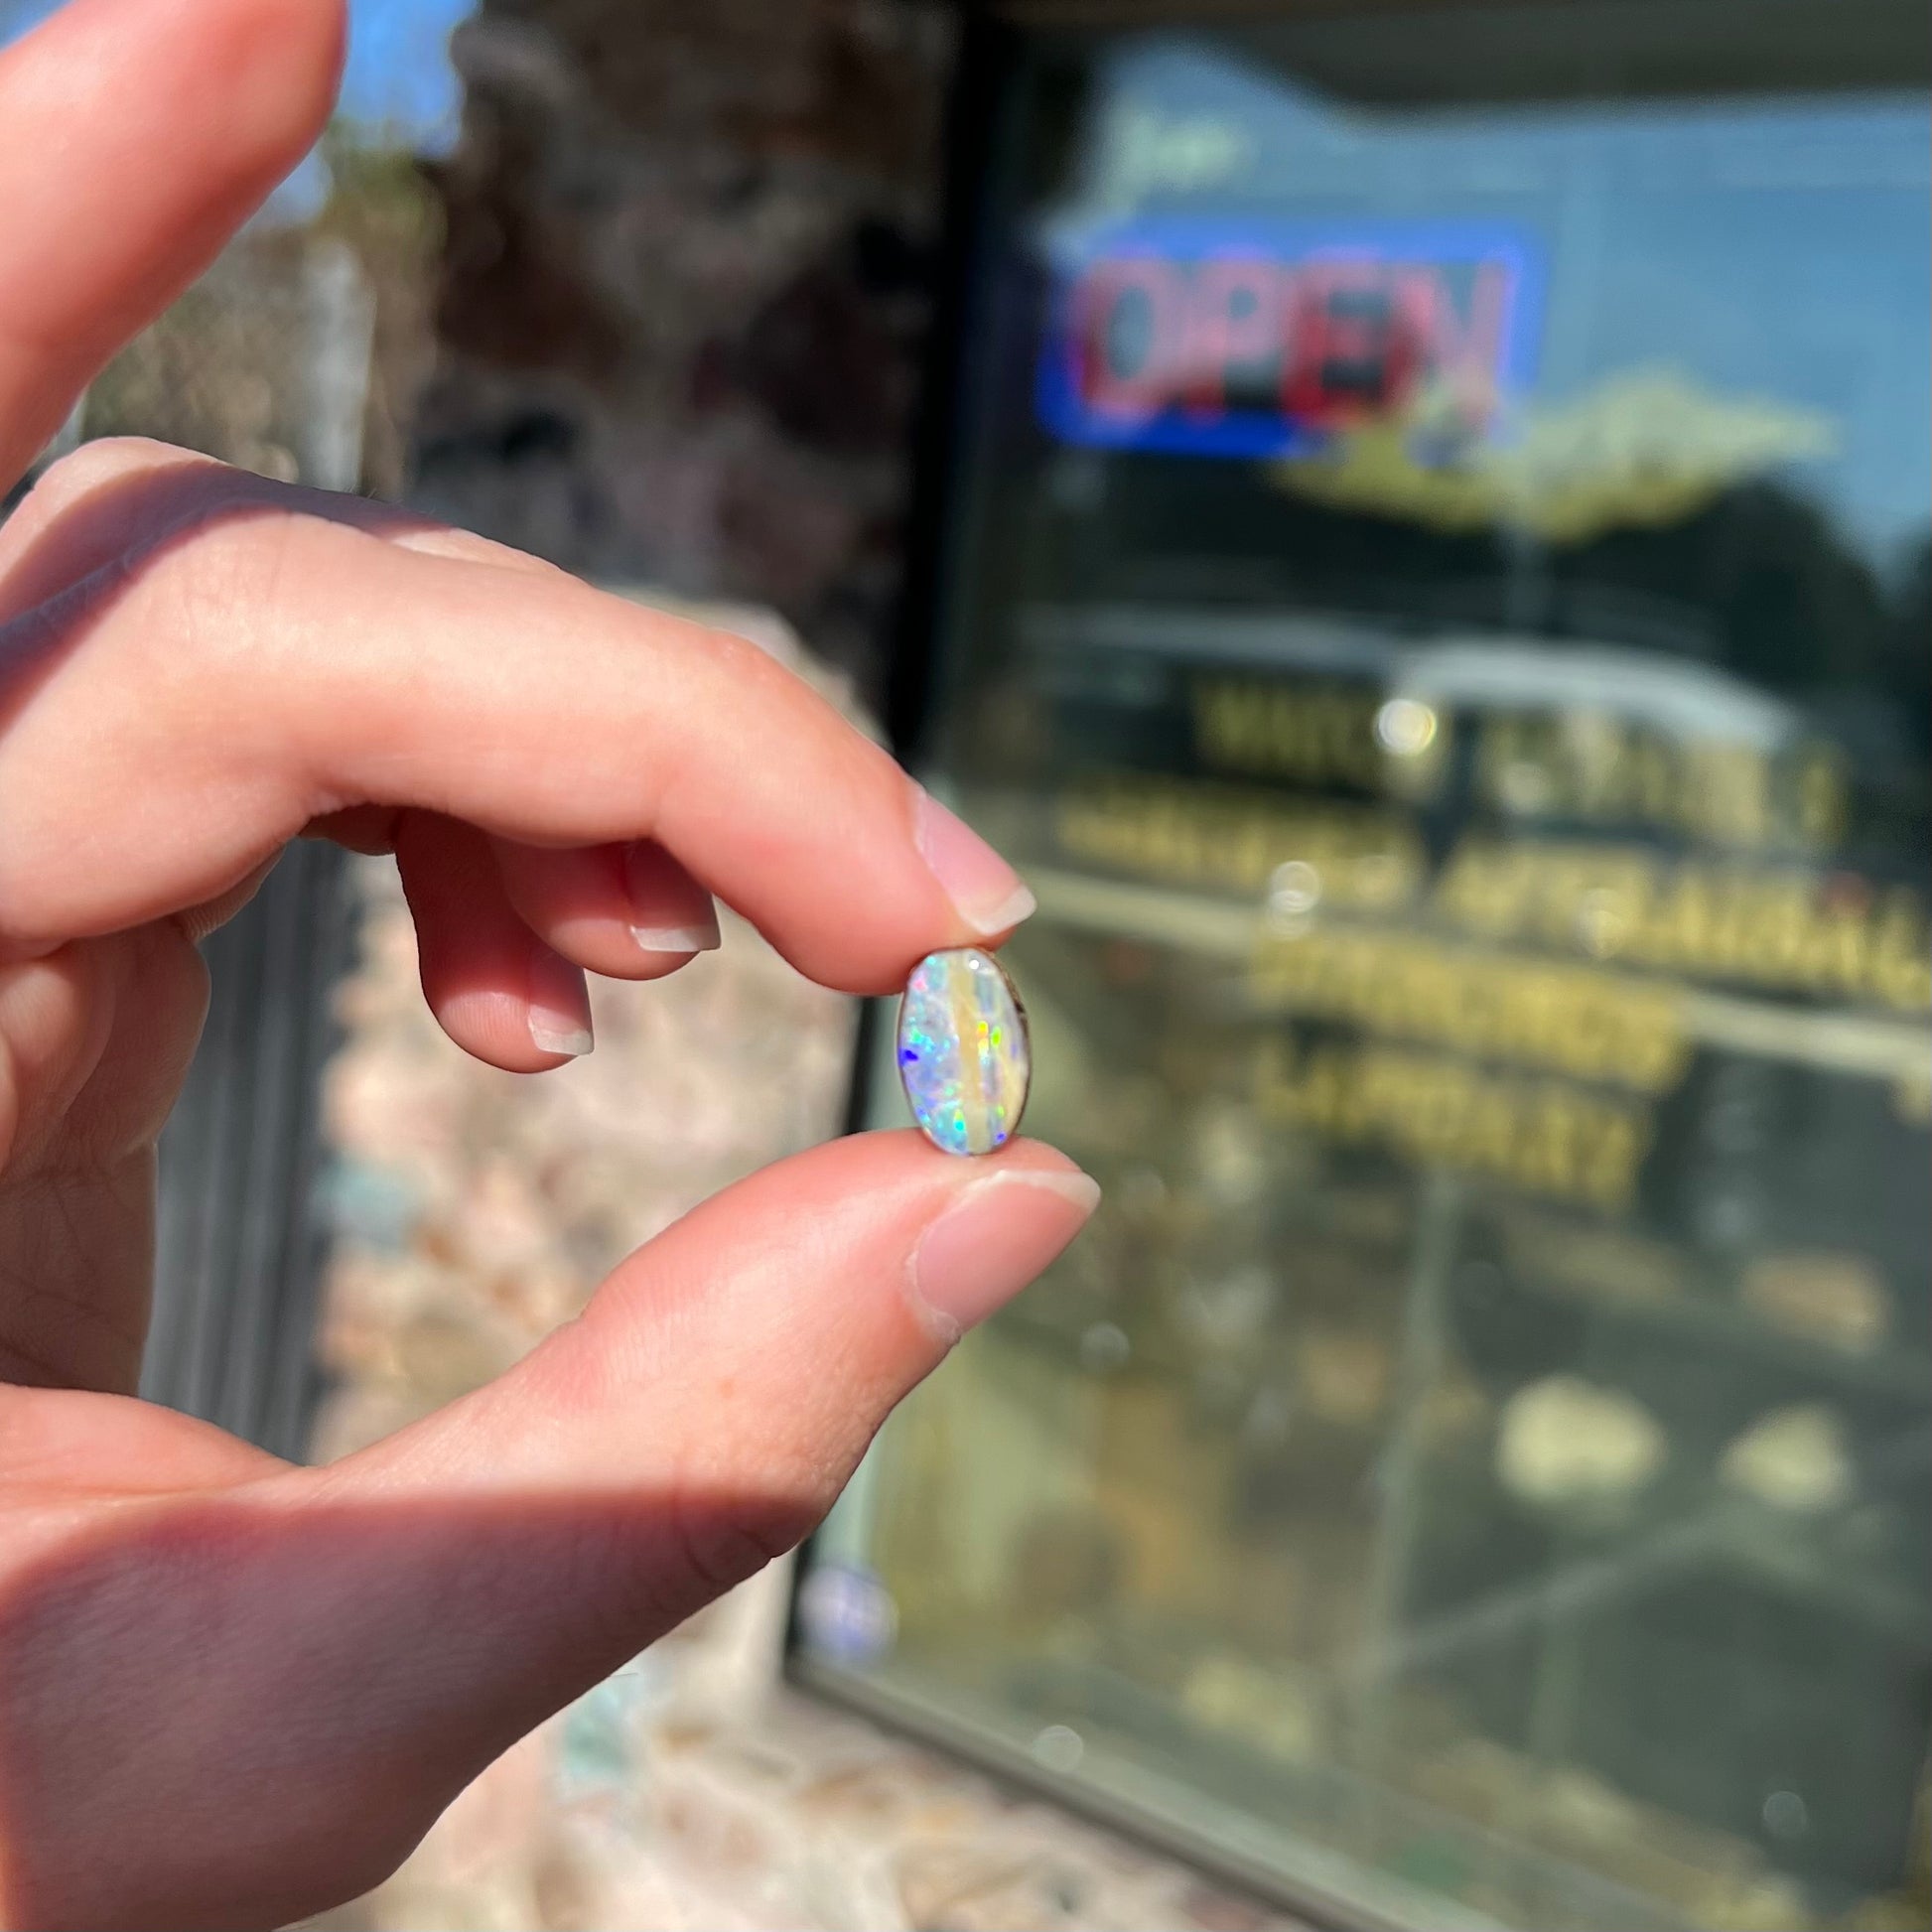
(964, 1058)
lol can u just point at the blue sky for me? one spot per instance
(398, 76)
(399, 71)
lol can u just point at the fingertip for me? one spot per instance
(628, 913)
(1023, 1155)
(272, 67)
(986, 892)
(558, 1018)
(280, 61)
(668, 910)
(903, 1146)
(495, 987)
(503, 1030)
(1012, 1221)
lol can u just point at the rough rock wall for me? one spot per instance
(684, 285)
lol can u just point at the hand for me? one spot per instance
(231, 1691)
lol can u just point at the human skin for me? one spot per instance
(235, 1691)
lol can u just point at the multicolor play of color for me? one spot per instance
(964, 1058)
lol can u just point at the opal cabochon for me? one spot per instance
(964, 1055)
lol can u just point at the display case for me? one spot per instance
(1430, 582)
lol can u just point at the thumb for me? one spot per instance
(261, 1697)
(697, 1420)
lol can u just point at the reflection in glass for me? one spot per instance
(1440, 600)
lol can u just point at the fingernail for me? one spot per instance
(991, 1242)
(677, 939)
(985, 890)
(674, 913)
(560, 1012)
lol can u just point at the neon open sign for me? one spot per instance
(1257, 340)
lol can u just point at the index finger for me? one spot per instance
(193, 707)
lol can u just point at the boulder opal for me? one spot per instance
(964, 1057)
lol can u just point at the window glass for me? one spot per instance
(1436, 598)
